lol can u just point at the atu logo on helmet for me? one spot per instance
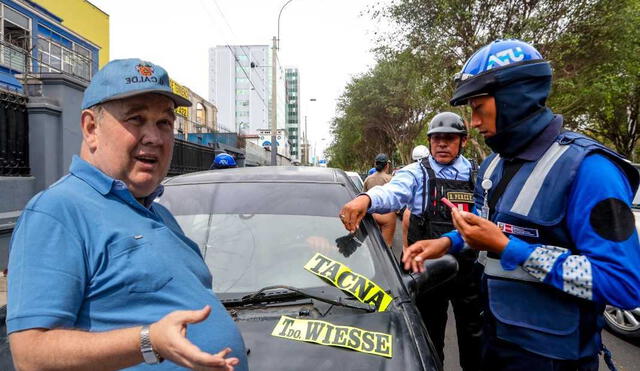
(505, 57)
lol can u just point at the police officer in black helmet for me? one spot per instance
(420, 186)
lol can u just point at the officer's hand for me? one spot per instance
(479, 233)
(168, 338)
(414, 257)
(353, 212)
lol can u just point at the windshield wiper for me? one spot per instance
(289, 292)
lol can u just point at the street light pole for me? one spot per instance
(274, 106)
(274, 95)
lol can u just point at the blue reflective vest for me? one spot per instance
(531, 314)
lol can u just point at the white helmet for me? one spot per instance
(419, 153)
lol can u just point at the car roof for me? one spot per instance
(288, 174)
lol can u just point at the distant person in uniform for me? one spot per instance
(381, 176)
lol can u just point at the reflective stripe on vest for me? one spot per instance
(492, 267)
(531, 188)
(491, 167)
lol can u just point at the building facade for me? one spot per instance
(240, 87)
(200, 118)
(84, 18)
(292, 79)
(35, 41)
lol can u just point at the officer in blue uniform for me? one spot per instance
(421, 185)
(556, 232)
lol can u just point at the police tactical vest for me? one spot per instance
(538, 317)
(435, 219)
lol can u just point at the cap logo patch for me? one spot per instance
(505, 57)
(145, 70)
(146, 75)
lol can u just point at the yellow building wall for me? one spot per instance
(85, 19)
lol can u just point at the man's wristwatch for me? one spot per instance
(151, 357)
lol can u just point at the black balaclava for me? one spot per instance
(521, 113)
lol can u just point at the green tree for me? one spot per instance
(383, 110)
(592, 45)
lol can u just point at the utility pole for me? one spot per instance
(306, 143)
(274, 105)
(274, 96)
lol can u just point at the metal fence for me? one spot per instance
(189, 157)
(14, 135)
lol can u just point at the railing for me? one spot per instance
(14, 135)
(189, 157)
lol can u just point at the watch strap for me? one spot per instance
(150, 356)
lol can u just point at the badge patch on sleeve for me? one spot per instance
(613, 220)
(518, 231)
(343, 278)
(325, 333)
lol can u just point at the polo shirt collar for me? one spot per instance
(103, 183)
(458, 165)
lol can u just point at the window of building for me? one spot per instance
(201, 114)
(16, 39)
(59, 54)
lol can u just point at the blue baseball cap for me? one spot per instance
(124, 78)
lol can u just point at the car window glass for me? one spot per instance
(246, 252)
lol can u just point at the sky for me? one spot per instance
(330, 41)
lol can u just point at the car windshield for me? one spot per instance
(254, 235)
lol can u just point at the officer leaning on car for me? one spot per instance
(421, 185)
(556, 231)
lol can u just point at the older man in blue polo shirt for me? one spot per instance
(101, 276)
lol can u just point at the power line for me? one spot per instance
(224, 18)
(235, 57)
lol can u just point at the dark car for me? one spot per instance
(257, 228)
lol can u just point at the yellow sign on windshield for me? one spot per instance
(326, 333)
(343, 278)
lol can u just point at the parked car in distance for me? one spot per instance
(257, 228)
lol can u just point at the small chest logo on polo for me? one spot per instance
(146, 75)
(518, 231)
(505, 57)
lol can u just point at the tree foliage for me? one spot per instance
(382, 110)
(592, 45)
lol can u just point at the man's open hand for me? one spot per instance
(168, 337)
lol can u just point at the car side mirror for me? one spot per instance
(436, 272)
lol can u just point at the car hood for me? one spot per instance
(267, 352)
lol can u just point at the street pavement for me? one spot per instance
(626, 352)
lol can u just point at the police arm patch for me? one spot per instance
(612, 219)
